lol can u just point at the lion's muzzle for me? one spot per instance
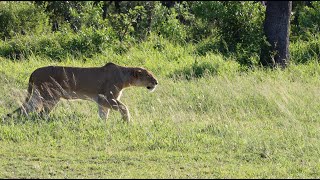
(152, 86)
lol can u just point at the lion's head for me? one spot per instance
(144, 78)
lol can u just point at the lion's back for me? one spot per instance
(45, 74)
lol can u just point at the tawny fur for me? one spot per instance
(104, 85)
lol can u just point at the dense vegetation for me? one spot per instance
(215, 114)
(81, 29)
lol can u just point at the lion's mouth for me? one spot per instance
(151, 88)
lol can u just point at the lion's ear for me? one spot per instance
(136, 73)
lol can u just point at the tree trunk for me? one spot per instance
(117, 6)
(276, 28)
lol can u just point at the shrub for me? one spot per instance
(238, 24)
(166, 24)
(22, 18)
(211, 64)
(211, 44)
(58, 45)
(309, 20)
(303, 51)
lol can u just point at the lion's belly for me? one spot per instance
(79, 95)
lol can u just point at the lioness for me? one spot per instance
(103, 85)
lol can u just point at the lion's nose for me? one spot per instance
(156, 82)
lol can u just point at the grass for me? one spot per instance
(229, 123)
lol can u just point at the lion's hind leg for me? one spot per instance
(103, 110)
(32, 104)
(48, 105)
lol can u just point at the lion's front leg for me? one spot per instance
(119, 106)
(106, 103)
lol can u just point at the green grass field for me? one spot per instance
(230, 123)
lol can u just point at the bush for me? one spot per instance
(211, 44)
(238, 24)
(58, 45)
(303, 51)
(309, 20)
(304, 37)
(211, 64)
(22, 18)
(166, 24)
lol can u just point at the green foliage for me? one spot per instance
(21, 18)
(209, 65)
(303, 51)
(211, 44)
(140, 22)
(89, 16)
(122, 23)
(59, 45)
(86, 28)
(305, 27)
(166, 24)
(308, 21)
(63, 12)
(239, 26)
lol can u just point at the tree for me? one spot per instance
(275, 52)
